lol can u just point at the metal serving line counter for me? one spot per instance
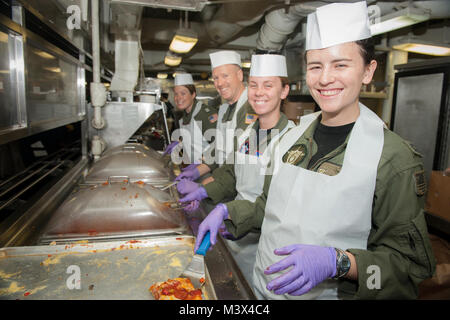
(115, 258)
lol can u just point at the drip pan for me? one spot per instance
(88, 271)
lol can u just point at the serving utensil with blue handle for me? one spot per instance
(195, 271)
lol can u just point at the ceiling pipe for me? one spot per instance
(98, 90)
(279, 24)
(439, 9)
(231, 18)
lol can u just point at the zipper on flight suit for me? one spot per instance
(329, 156)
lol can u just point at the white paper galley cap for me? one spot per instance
(268, 65)
(182, 79)
(224, 57)
(337, 23)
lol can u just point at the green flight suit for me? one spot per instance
(224, 184)
(241, 123)
(398, 242)
(207, 116)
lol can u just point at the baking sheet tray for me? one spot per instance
(98, 270)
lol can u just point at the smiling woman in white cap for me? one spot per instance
(244, 178)
(196, 120)
(344, 210)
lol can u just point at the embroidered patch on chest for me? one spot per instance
(250, 118)
(213, 118)
(295, 155)
(330, 169)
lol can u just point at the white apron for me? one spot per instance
(250, 174)
(308, 207)
(224, 140)
(195, 144)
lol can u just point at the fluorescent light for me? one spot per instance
(399, 19)
(172, 60)
(162, 75)
(183, 41)
(246, 64)
(423, 49)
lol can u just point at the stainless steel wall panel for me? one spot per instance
(52, 86)
(416, 119)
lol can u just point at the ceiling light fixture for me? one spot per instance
(172, 60)
(185, 38)
(161, 75)
(399, 19)
(246, 64)
(423, 48)
(183, 41)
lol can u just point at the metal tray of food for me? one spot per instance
(100, 270)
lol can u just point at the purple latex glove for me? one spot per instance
(187, 186)
(310, 266)
(211, 223)
(192, 206)
(170, 147)
(191, 174)
(198, 194)
(190, 167)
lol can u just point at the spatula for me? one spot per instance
(195, 271)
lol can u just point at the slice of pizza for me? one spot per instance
(175, 289)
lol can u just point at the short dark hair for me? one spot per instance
(284, 82)
(367, 49)
(191, 88)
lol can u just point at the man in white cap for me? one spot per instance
(244, 179)
(344, 210)
(196, 120)
(235, 114)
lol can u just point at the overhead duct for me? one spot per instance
(127, 66)
(279, 24)
(126, 26)
(439, 9)
(231, 18)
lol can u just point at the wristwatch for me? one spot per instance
(342, 263)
